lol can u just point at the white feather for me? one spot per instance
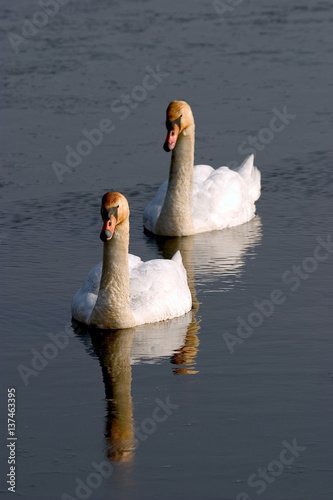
(158, 290)
(221, 197)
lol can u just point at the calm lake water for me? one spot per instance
(234, 400)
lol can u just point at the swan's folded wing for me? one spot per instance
(133, 261)
(220, 200)
(153, 209)
(159, 290)
(84, 300)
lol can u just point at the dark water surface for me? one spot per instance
(221, 409)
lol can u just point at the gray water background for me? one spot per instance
(235, 410)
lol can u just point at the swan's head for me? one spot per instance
(178, 118)
(114, 211)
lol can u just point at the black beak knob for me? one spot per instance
(105, 235)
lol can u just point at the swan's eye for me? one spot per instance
(113, 211)
(171, 124)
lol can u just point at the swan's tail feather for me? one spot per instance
(251, 176)
(177, 257)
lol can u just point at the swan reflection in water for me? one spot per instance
(117, 350)
(209, 256)
(205, 256)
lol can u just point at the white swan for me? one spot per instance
(122, 291)
(199, 199)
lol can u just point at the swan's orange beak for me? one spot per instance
(108, 229)
(171, 139)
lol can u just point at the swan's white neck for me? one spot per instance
(175, 218)
(112, 308)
